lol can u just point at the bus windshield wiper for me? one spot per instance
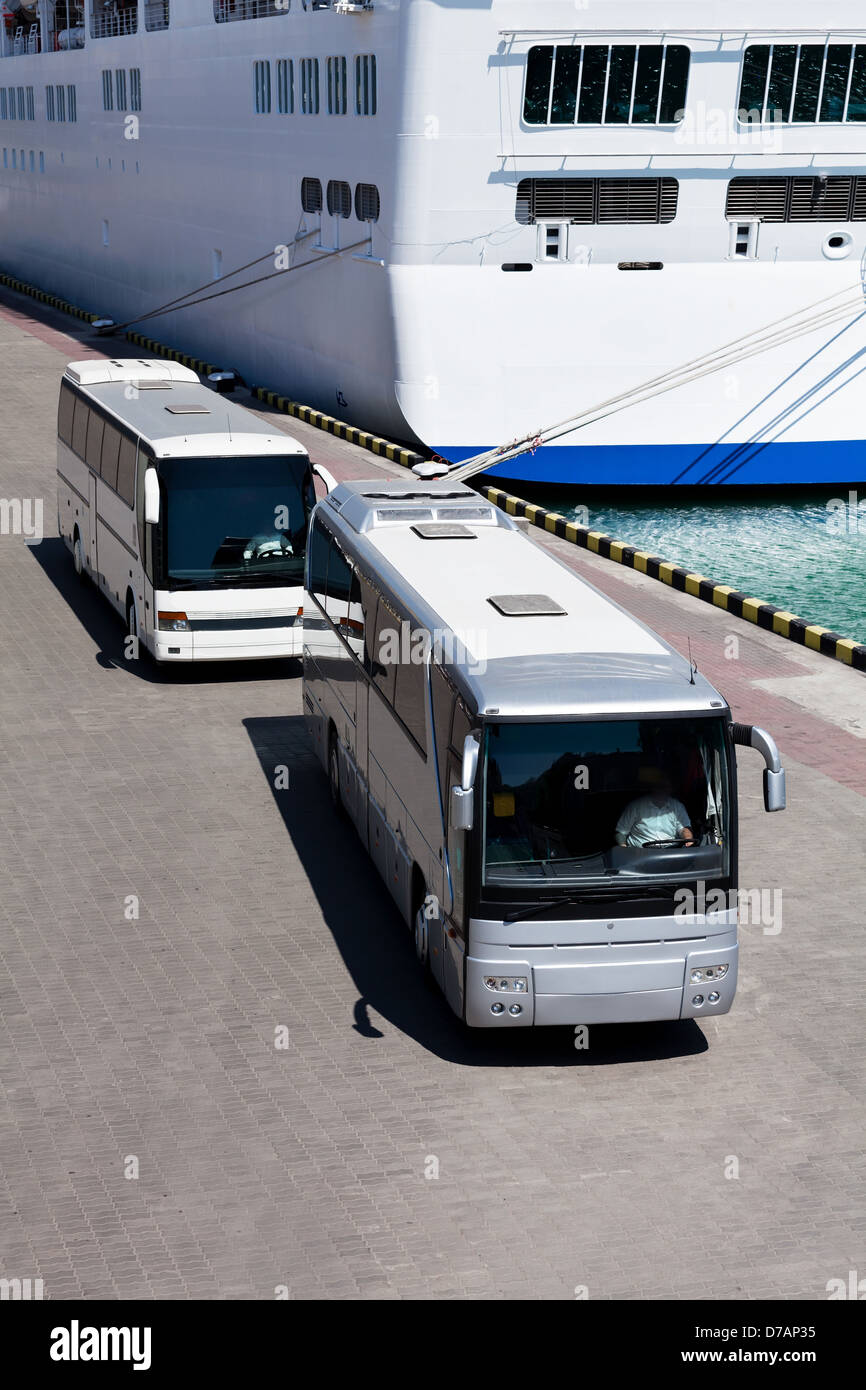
(575, 899)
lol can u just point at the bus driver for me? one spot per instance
(655, 818)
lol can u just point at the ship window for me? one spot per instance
(120, 88)
(49, 104)
(135, 89)
(367, 202)
(107, 90)
(310, 86)
(5, 157)
(156, 15)
(596, 201)
(31, 105)
(803, 83)
(606, 84)
(22, 114)
(339, 198)
(113, 20)
(4, 110)
(285, 86)
(72, 102)
(366, 91)
(60, 94)
(837, 198)
(226, 11)
(311, 195)
(262, 84)
(337, 80)
(14, 159)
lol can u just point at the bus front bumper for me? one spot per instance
(235, 644)
(650, 987)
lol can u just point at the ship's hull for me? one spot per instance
(418, 334)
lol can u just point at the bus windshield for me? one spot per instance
(236, 520)
(609, 803)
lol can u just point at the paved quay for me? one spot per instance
(714, 1160)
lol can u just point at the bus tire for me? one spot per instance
(334, 774)
(132, 622)
(78, 556)
(421, 925)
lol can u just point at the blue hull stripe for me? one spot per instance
(840, 461)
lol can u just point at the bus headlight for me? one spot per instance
(506, 984)
(708, 972)
(172, 622)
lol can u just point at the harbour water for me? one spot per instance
(802, 550)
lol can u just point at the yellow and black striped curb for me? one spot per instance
(361, 438)
(754, 610)
(44, 298)
(196, 363)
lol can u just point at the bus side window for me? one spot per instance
(410, 696)
(65, 412)
(443, 699)
(460, 727)
(139, 510)
(338, 587)
(317, 577)
(369, 600)
(126, 470)
(386, 650)
(93, 453)
(110, 447)
(79, 426)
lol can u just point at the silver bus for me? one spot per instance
(546, 787)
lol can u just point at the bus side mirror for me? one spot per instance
(774, 790)
(750, 736)
(463, 797)
(151, 497)
(462, 807)
(327, 478)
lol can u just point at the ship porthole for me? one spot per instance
(838, 246)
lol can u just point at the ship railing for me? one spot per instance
(113, 20)
(226, 11)
(156, 14)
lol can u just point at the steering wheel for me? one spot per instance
(678, 844)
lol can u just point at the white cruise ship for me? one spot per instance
(498, 214)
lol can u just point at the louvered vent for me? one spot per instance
(838, 199)
(604, 201)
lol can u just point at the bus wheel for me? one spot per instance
(78, 556)
(334, 775)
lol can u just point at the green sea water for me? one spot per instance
(803, 551)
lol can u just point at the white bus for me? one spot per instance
(547, 788)
(188, 512)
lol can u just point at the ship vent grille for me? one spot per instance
(602, 201)
(840, 198)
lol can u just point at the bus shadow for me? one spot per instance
(378, 951)
(106, 630)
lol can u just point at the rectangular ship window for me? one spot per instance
(31, 104)
(366, 92)
(120, 88)
(135, 89)
(285, 86)
(807, 83)
(107, 90)
(310, 86)
(262, 83)
(337, 103)
(72, 102)
(606, 84)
